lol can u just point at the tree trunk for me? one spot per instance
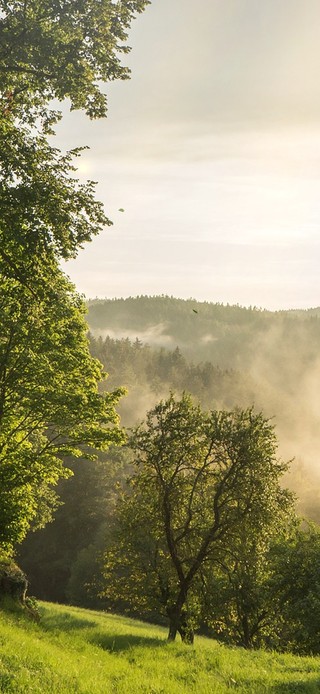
(173, 628)
(179, 623)
(185, 630)
(174, 615)
(247, 640)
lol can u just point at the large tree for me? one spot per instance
(61, 48)
(49, 404)
(51, 50)
(201, 479)
(50, 407)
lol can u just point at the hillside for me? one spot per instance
(76, 651)
(222, 334)
(272, 360)
(202, 330)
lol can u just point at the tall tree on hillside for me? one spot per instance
(200, 478)
(49, 404)
(51, 50)
(58, 49)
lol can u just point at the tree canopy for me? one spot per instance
(202, 481)
(61, 49)
(50, 407)
(49, 404)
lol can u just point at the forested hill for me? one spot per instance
(273, 356)
(230, 336)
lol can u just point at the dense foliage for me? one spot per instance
(49, 404)
(205, 494)
(50, 407)
(62, 49)
(294, 587)
(241, 602)
(269, 359)
(231, 336)
(149, 373)
(62, 560)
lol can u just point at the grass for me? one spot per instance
(76, 651)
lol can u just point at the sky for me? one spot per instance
(212, 150)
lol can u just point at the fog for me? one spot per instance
(277, 358)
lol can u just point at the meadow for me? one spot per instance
(78, 651)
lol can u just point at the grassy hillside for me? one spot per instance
(75, 651)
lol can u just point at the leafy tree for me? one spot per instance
(62, 559)
(49, 404)
(51, 50)
(58, 49)
(62, 551)
(200, 479)
(45, 213)
(239, 606)
(294, 588)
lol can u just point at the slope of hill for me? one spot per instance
(76, 651)
(274, 358)
(226, 335)
(202, 330)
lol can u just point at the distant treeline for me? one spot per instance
(225, 335)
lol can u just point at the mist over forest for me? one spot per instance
(269, 359)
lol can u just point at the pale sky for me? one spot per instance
(213, 151)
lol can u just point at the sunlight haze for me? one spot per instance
(212, 151)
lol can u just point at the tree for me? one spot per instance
(200, 478)
(45, 214)
(62, 560)
(49, 404)
(50, 407)
(51, 50)
(294, 588)
(58, 49)
(239, 606)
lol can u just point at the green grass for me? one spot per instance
(75, 651)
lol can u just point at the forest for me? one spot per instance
(66, 561)
(182, 487)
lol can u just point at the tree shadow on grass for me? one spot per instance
(114, 642)
(122, 642)
(65, 622)
(292, 687)
(296, 687)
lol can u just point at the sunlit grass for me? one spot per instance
(75, 651)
